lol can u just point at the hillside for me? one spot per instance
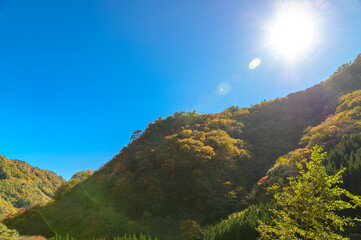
(197, 167)
(24, 186)
(339, 134)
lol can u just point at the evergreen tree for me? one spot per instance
(308, 208)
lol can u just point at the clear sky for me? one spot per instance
(77, 77)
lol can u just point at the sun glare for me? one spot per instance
(292, 31)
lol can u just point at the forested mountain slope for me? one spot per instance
(23, 186)
(199, 167)
(274, 128)
(339, 134)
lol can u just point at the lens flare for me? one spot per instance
(224, 88)
(87, 194)
(254, 63)
(236, 78)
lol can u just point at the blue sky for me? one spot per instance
(78, 77)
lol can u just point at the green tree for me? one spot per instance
(308, 208)
(66, 187)
(191, 230)
(8, 234)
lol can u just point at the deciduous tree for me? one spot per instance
(309, 207)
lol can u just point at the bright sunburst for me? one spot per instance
(292, 31)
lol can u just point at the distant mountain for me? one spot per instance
(194, 169)
(24, 186)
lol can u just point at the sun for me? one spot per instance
(292, 31)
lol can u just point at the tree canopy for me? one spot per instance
(310, 207)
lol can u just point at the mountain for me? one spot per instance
(339, 134)
(24, 186)
(190, 170)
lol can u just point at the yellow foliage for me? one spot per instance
(185, 133)
(190, 230)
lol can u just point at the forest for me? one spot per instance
(23, 186)
(196, 176)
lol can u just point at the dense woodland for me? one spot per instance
(23, 186)
(207, 176)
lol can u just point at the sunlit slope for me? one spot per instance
(23, 186)
(339, 134)
(274, 128)
(189, 166)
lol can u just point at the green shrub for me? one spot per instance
(7, 234)
(240, 225)
(125, 237)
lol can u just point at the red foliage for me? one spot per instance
(21, 210)
(262, 179)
